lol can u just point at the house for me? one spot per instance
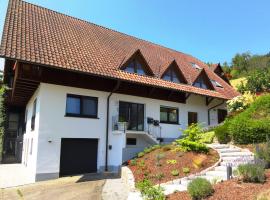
(84, 98)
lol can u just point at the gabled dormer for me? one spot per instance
(219, 71)
(173, 74)
(137, 64)
(203, 81)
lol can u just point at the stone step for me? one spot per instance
(220, 146)
(229, 150)
(240, 159)
(236, 154)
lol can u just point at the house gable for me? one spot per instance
(173, 73)
(137, 64)
(203, 81)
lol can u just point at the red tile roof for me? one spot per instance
(42, 36)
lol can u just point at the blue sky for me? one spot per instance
(211, 30)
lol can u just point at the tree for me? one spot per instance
(240, 62)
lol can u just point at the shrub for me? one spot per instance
(200, 188)
(187, 145)
(141, 154)
(207, 137)
(265, 195)
(171, 162)
(149, 192)
(222, 133)
(185, 170)
(190, 142)
(193, 132)
(175, 172)
(240, 103)
(250, 173)
(252, 125)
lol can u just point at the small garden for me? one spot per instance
(183, 157)
(163, 163)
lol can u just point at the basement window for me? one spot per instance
(131, 141)
(81, 106)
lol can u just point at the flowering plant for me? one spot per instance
(241, 102)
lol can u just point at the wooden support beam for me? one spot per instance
(208, 100)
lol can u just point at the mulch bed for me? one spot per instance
(230, 190)
(150, 169)
(250, 147)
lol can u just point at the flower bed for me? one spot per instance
(231, 190)
(167, 163)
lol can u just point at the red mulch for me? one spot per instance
(230, 190)
(183, 160)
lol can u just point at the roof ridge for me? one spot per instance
(83, 20)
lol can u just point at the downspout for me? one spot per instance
(213, 108)
(107, 123)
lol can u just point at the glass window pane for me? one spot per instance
(175, 80)
(163, 114)
(73, 105)
(139, 68)
(173, 115)
(89, 107)
(166, 77)
(130, 67)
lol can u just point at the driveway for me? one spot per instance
(84, 187)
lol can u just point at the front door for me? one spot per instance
(133, 114)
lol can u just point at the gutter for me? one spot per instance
(107, 123)
(213, 108)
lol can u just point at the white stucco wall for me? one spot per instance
(52, 125)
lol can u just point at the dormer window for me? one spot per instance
(171, 75)
(200, 83)
(203, 81)
(137, 64)
(134, 66)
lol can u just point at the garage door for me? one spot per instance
(78, 156)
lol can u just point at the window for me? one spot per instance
(81, 106)
(200, 83)
(194, 65)
(217, 84)
(33, 119)
(131, 141)
(170, 75)
(168, 115)
(134, 66)
(192, 118)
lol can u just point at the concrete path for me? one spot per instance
(68, 188)
(12, 175)
(229, 154)
(114, 189)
